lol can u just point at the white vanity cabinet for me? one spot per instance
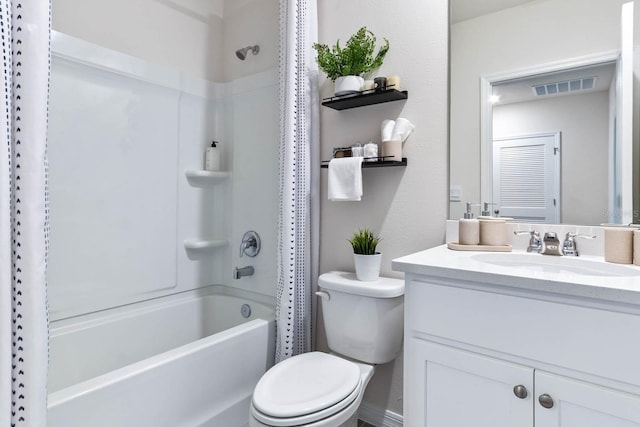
(446, 386)
(487, 354)
(581, 404)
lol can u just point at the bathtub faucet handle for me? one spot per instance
(250, 244)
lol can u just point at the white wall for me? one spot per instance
(185, 35)
(247, 23)
(408, 206)
(199, 37)
(535, 33)
(583, 121)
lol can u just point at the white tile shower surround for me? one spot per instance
(153, 123)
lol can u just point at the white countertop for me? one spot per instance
(442, 262)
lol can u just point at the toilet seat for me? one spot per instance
(304, 389)
(308, 418)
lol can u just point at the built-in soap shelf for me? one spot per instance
(202, 178)
(205, 245)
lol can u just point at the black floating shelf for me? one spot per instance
(376, 164)
(364, 98)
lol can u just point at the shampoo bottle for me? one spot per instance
(212, 157)
(468, 228)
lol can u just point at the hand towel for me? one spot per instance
(345, 179)
(402, 129)
(386, 129)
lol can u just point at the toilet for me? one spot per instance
(364, 327)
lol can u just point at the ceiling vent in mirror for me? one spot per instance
(565, 86)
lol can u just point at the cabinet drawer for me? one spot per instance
(589, 340)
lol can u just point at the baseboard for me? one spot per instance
(379, 417)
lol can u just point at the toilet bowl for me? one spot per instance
(313, 389)
(364, 324)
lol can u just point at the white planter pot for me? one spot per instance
(347, 85)
(367, 267)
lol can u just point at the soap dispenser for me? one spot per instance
(468, 228)
(486, 212)
(212, 157)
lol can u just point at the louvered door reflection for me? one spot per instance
(526, 177)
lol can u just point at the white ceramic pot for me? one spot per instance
(347, 85)
(367, 267)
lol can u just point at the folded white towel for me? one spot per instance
(402, 129)
(386, 129)
(345, 179)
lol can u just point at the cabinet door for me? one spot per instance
(447, 387)
(580, 404)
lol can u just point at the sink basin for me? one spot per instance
(556, 264)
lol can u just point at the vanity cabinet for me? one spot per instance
(580, 404)
(486, 355)
(461, 388)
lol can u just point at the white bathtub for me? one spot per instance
(190, 359)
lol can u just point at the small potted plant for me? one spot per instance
(346, 66)
(366, 259)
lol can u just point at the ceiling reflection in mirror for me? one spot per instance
(512, 91)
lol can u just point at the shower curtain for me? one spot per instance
(299, 178)
(25, 27)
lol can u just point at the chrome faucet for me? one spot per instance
(535, 243)
(241, 272)
(569, 247)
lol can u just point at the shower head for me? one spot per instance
(242, 53)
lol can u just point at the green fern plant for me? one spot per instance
(356, 58)
(364, 242)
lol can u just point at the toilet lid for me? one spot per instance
(305, 384)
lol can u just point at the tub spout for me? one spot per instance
(241, 272)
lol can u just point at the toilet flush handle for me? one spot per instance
(324, 295)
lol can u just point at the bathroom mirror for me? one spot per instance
(523, 138)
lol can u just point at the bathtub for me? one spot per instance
(190, 359)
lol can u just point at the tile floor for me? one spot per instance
(363, 424)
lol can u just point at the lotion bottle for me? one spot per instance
(212, 157)
(468, 228)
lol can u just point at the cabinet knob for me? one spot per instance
(520, 391)
(546, 401)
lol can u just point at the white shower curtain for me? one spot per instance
(299, 178)
(25, 27)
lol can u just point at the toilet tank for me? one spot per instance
(363, 320)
